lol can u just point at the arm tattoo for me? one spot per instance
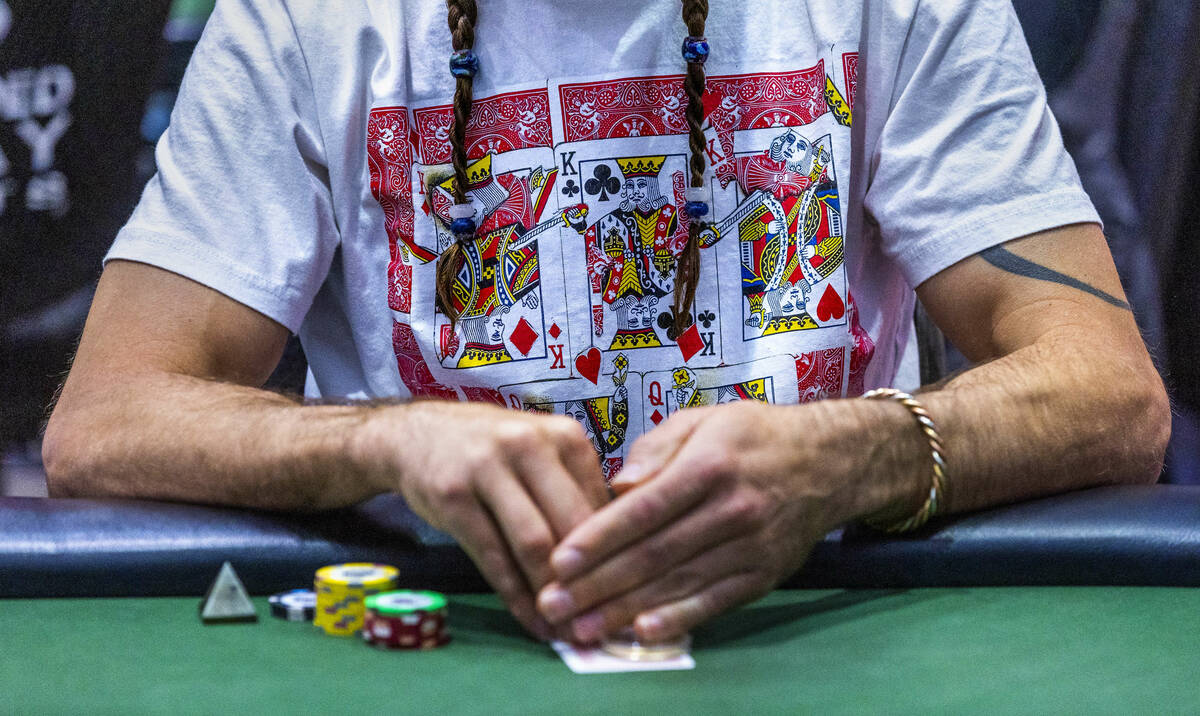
(1006, 260)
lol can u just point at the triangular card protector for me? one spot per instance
(226, 600)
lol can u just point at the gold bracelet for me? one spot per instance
(937, 488)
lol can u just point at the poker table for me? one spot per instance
(1079, 603)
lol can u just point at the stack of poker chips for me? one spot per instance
(342, 590)
(406, 620)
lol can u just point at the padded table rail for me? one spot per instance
(109, 548)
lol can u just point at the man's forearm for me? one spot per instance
(174, 437)
(1058, 415)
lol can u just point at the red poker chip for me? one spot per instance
(423, 630)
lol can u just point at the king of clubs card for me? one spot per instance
(632, 251)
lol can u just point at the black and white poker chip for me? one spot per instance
(298, 605)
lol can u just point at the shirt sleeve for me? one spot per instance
(968, 154)
(241, 200)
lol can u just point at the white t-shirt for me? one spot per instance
(854, 151)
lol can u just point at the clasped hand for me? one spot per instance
(727, 504)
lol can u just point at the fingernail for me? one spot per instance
(556, 603)
(631, 473)
(649, 626)
(628, 479)
(567, 562)
(589, 627)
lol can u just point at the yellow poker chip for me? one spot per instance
(358, 575)
(341, 622)
(341, 590)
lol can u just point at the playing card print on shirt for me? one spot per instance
(632, 250)
(497, 293)
(414, 371)
(608, 407)
(512, 318)
(850, 68)
(820, 374)
(626, 149)
(770, 380)
(390, 159)
(788, 228)
(565, 292)
(862, 350)
(758, 101)
(502, 123)
(780, 217)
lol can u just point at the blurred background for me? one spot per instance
(87, 87)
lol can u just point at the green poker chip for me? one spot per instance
(406, 602)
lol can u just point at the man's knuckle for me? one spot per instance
(649, 448)
(571, 440)
(517, 436)
(564, 429)
(579, 441)
(710, 467)
(638, 452)
(535, 546)
(708, 604)
(646, 510)
(507, 587)
(745, 509)
(478, 459)
(452, 491)
(683, 582)
(495, 568)
(653, 556)
(721, 459)
(761, 583)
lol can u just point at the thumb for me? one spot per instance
(650, 453)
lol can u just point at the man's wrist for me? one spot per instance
(883, 459)
(372, 445)
(898, 476)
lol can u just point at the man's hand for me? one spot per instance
(735, 504)
(163, 403)
(507, 485)
(1064, 397)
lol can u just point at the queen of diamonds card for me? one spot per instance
(608, 408)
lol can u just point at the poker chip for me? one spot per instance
(298, 605)
(341, 590)
(625, 645)
(406, 620)
(357, 575)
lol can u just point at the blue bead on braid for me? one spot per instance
(696, 209)
(464, 63)
(695, 49)
(461, 226)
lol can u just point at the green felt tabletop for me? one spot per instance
(1020, 650)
